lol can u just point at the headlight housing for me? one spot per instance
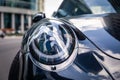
(52, 45)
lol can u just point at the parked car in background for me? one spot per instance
(81, 42)
(2, 34)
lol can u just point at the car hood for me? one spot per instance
(97, 29)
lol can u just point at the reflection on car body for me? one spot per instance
(82, 43)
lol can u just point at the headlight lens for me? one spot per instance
(52, 45)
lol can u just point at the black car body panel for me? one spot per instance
(97, 29)
(96, 58)
(85, 67)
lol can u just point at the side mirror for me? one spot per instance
(60, 13)
(37, 17)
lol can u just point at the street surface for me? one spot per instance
(9, 46)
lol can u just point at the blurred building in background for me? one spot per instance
(16, 15)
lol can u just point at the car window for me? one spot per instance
(72, 8)
(79, 7)
(100, 6)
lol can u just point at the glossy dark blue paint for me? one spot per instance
(96, 58)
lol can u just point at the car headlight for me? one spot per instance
(52, 45)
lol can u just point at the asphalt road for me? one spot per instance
(9, 46)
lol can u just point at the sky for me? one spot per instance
(51, 6)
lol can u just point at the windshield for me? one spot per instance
(100, 6)
(79, 7)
